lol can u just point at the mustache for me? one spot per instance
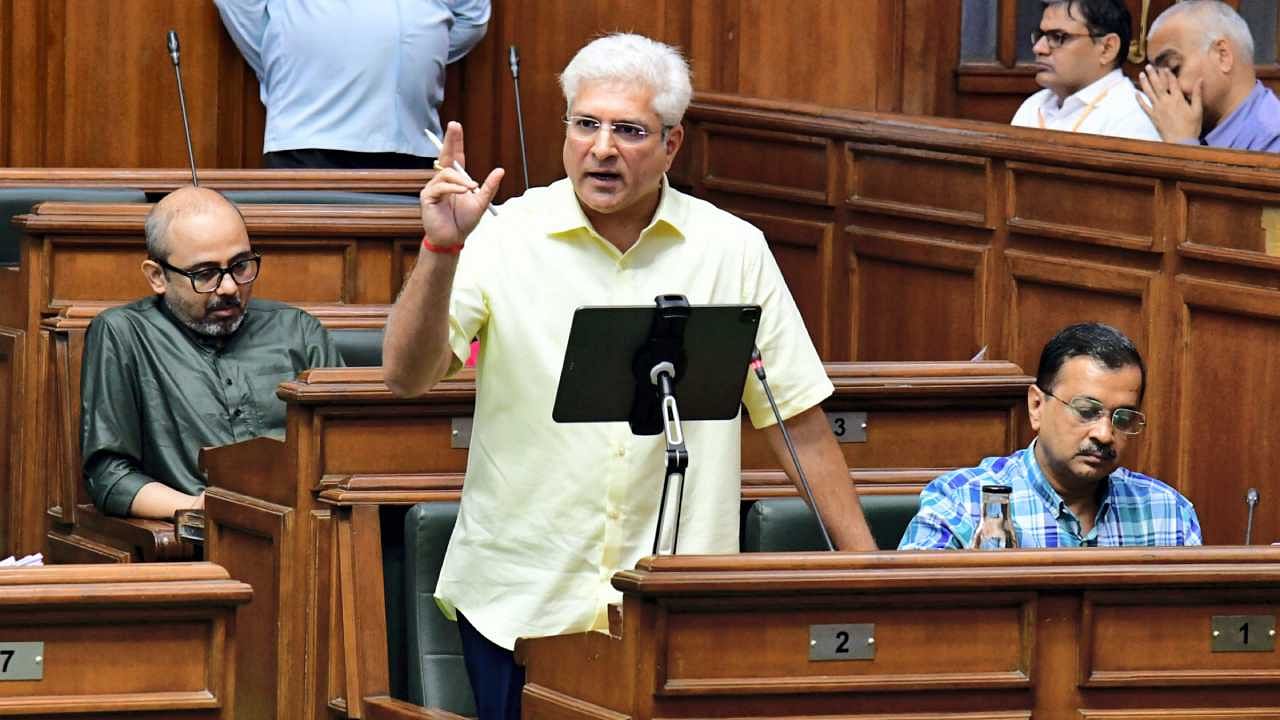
(1103, 452)
(223, 303)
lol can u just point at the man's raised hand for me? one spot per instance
(450, 208)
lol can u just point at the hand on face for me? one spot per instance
(450, 210)
(1178, 119)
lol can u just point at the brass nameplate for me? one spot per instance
(842, 642)
(848, 427)
(1243, 633)
(21, 661)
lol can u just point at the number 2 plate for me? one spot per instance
(21, 661)
(842, 642)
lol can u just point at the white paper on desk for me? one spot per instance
(36, 560)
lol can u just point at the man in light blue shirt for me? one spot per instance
(352, 83)
(1068, 489)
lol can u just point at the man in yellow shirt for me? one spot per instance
(550, 511)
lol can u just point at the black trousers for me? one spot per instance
(321, 159)
(496, 679)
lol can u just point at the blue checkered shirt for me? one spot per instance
(1136, 510)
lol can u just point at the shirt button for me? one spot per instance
(236, 413)
(228, 382)
(621, 452)
(614, 514)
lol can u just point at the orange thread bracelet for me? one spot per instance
(446, 250)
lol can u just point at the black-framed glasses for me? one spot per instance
(1089, 411)
(206, 280)
(1058, 38)
(585, 127)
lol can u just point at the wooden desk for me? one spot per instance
(82, 254)
(164, 180)
(1056, 635)
(299, 520)
(123, 641)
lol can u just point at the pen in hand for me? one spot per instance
(456, 166)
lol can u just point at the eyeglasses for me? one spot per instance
(1057, 38)
(584, 127)
(206, 280)
(1089, 411)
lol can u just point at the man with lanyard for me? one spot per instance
(1079, 47)
(551, 511)
(1201, 87)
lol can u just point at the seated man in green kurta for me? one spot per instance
(194, 365)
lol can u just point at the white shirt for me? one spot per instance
(551, 511)
(1108, 106)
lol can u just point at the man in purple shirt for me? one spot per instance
(1201, 87)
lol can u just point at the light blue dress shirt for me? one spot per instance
(356, 75)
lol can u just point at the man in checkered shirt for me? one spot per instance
(1068, 488)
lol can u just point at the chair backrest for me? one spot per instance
(437, 674)
(360, 347)
(19, 200)
(317, 197)
(788, 525)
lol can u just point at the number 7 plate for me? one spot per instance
(21, 661)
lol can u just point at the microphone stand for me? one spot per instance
(660, 364)
(182, 103)
(513, 58)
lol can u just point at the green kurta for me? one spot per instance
(153, 392)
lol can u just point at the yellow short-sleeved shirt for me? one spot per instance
(550, 511)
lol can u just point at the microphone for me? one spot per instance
(182, 103)
(513, 58)
(1251, 500)
(757, 366)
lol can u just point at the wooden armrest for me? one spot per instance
(146, 540)
(382, 707)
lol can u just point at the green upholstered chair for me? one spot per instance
(788, 525)
(437, 676)
(19, 200)
(317, 197)
(360, 347)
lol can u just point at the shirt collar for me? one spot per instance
(1086, 95)
(567, 218)
(1044, 489)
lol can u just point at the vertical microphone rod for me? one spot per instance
(182, 103)
(513, 58)
(757, 366)
(1251, 500)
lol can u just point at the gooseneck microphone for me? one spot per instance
(1251, 500)
(182, 103)
(513, 58)
(757, 366)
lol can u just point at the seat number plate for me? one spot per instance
(842, 642)
(21, 661)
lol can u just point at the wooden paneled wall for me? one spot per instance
(85, 83)
(930, 239)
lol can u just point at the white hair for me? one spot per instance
(631, 59)
(1215, 20)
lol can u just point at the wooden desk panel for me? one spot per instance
(121, 640)
(1110, 633)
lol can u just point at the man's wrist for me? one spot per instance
(440, 249)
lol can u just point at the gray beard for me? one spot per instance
(208, 328)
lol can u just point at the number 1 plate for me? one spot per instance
(1243, 633)
(842, 642)
(21, 661)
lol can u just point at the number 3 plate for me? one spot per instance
(842, 642)
(21, 661)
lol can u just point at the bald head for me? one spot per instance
(188, 202)
(1208, 21)
(1206, 43)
